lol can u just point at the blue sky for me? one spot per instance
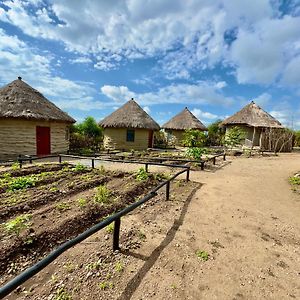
(90, 57)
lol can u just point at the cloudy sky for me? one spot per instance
(89, 57)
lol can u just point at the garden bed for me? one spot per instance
(37, 217)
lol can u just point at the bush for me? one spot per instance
(215, 136)
(20, 183)
(195, 152)
(234, 136)
(102, 194)
(141, 175)
(194, 138)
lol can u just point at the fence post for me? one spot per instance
(168, 190)
(59, 158)
(146, 167)
(20, 162)
(202, 165)
(188, 174)
(214, 160)
(116, 236)
(30, 159)
(224, 156)
(93, 163)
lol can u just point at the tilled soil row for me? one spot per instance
(68, 228)
(48, 196)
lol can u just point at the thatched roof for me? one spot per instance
(130, 115)
(252, 115)
(184, 120)
(20, 100)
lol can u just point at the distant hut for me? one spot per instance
(29, 123)
(255, 122)
(129, 127)
(181, 122)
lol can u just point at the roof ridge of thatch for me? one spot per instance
(183, 121)
(19, 100)
(252, 115)
(129, 115)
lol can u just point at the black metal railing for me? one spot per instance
(116, 218)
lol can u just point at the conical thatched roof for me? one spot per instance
(130, 115)
(252, 115)
(20, 100)
(184, 120)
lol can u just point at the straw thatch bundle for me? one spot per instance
(252, 115)
(19, 100)
(184, 120)
(130, 115)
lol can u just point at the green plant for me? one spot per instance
(69, 267)
(62, 294)
(110, 228)
(194, 138)
(80, 167)
(102, 169)
(20, 183)
(15, 166)
(119, 267)
(195, 152)
(141, 175)
(215, 134)
(142, 235)
(82, 202)
(94, 265)
(62, 206)
(105, 285)
(18, 224)
(202, 254)
(53, 189)
(102, 194)
(294, 180)
(234, 136)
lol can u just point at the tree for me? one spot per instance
(194, 138)
(89, 127)
(234, 136)
(297, 138)
(216, 134)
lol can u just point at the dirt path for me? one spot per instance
(248, 220)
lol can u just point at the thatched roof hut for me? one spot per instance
(259, 126)
(129, 127)
(254, 116)
(29, 123)
(183, 121)
(19, 100)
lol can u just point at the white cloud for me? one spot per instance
(263, 99)
(204, 92)
(81, 60)
(147, 109)
(202, 115)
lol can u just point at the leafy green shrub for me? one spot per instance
(102, 194)
(202, 254)
(194, 138)
(195, 152)
(18, 224)
(20, 183)
(142, 175)
(80, 167)
(234, 136)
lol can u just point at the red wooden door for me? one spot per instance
(150, 140)
(43, 140)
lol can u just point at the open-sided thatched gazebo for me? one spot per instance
(29, 123)
(181, 122)
(254, 121)
(129, 127)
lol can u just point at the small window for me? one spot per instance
(130, 135)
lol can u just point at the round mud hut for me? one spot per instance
(29, 123)
(180, 123)
(256, 123)
(129, 127)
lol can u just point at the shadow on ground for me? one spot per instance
(150, 261)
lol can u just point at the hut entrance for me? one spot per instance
(42, 140)
(150, 139)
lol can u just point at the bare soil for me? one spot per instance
(243, 214)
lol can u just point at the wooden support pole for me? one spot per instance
(59, 159)
(188, 174)
(224, 156)
(168, 190)
(116, 236)
(93, 163)
(146, 167)
(202, 165)
(214, 160)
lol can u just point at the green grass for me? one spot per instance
(119, 267)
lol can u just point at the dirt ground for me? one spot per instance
(244, 215)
